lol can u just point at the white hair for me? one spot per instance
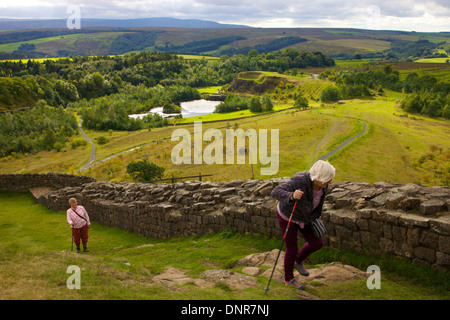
(322, 171)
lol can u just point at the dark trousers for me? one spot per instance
(80, 233)
(292, 254)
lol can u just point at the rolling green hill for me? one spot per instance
(339, 43)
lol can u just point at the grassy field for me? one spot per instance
(35, 252)
(327, 41)
(86, 44)
(434, 60)
(393, 145)
(397, 147)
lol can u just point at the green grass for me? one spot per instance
(197, 57)
(390, 150)
(86, 44)
(434, 60)
(35, 254)
(210, 90)
(229, 115)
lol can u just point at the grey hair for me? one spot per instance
(322, 171)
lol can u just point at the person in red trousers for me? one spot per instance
(309, 188)
(78, 219)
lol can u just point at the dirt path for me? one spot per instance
(92, 156)
(91, 162)
(345, 142)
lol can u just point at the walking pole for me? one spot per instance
(282, 243)
(72, 241)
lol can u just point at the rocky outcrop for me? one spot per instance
(255, 82)
(253, 266)
(406, 220)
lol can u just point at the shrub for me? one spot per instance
(255, 105)
(144, 170)
(102, 140)
(78, 142)
(329, 94)
(267, 104)
(301, 103)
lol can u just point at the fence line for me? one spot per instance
(199, 176)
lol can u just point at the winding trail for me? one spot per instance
(91, 162)
(342, 145)
(92, 156)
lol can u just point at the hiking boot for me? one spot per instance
(301, 269)
(85, 249)
(294, 282)
(78, 249)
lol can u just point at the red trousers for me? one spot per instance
(292, 253)
(80, 233)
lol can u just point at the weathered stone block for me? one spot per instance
(343, 233)
(387, 245)
(226, 191)
(363, 224)
(398, 234)
(260, 221)
(380, 200)
(429, 239)
(337, 217)
(441, 225)
(413, 236)
(443, 259)
(350, 222)
(387, 231)
(444, 244)
(393, 199)
(344, 203)
(375, 227)
(369, 239)
(410, 204)
(426, 254)
(365, 213)
(390, 217)
(431, 207)
(403, 249)
(410, 220)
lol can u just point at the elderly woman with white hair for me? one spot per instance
(308, 189)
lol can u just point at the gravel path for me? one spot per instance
(92, 156)
(345, 143)
(91, 162)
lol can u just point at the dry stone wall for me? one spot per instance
(405, 220)
(24, 182)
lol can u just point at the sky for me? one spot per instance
(420, 16)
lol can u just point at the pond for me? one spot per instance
(188, 109)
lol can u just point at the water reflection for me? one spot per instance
(188, 109)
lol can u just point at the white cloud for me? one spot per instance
(424, 15)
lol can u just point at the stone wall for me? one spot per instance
(404, 220)
(24, 182)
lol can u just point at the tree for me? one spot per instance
(144, 170)
(253, 53)
(255, 105)
(329, 94)
(301, 103)
(267, 104)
